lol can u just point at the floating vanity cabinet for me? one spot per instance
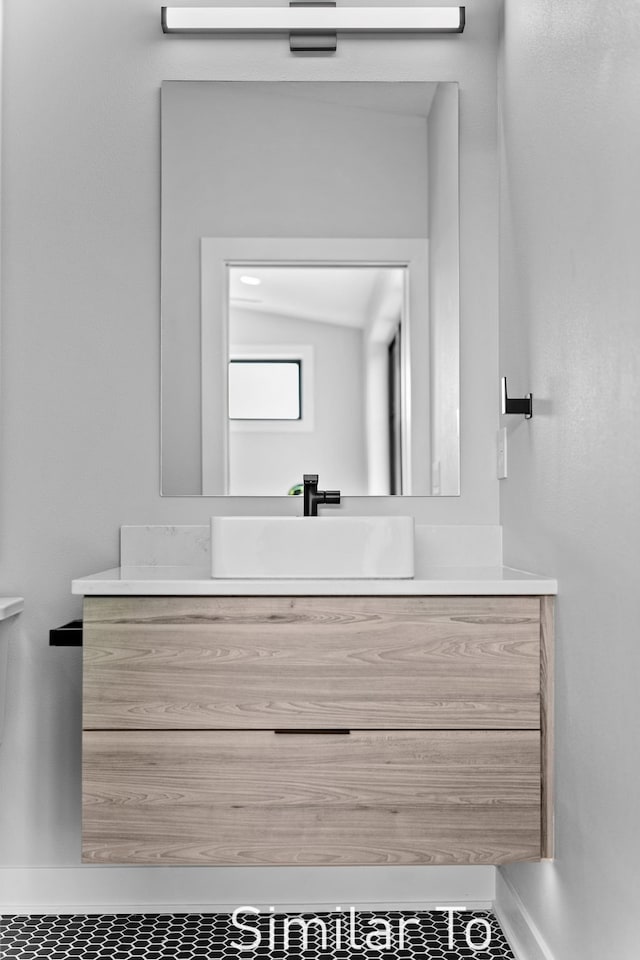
(316, 730)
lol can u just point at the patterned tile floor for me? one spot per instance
(393, 935)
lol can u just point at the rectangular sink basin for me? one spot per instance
(312, 548)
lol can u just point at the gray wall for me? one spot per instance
(570, 333)
(80, 364)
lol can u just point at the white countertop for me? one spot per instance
(429, 581)
(10, 606)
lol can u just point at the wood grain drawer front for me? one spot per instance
(254, 797)
(355, 662)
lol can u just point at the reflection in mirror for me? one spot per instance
(306, 332)
(299, 333)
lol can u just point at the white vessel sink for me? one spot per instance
(312, 547)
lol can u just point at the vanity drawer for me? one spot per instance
(309, 662)
(257, 797)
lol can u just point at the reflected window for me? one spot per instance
(265, 389)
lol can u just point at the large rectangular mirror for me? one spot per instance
(310, 287)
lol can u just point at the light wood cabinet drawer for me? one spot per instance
(309, 662)
(256, 797)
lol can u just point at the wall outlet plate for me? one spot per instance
(501, 461)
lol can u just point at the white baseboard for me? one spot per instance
(96, 889)
(102, 909)
(524, 938)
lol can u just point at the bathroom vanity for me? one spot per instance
(311, 722)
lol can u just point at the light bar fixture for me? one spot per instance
(312, 18)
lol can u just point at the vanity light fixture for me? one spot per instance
(312, 25)
(250, 281)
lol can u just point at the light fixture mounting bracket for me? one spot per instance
(312, 42)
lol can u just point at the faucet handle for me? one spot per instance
(313, 496)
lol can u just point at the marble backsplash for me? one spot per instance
(189, 545)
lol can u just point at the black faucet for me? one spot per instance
(313, 496)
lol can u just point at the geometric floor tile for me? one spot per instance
(349, 935)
